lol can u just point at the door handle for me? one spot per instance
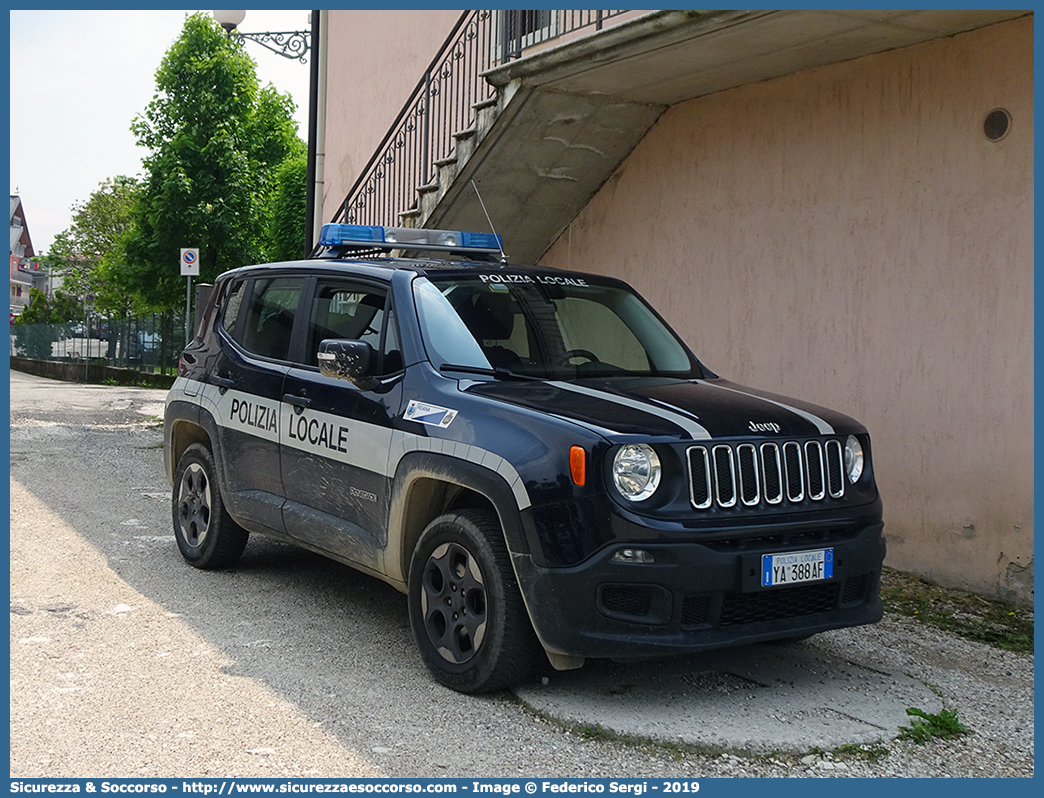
(299, 402)
(224, 383)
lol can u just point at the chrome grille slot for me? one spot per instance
(772, 468)
(765, 474)
(835, 465)
(814, 462)
(700, 478)
(794, 471)
(749, 484)
(724, 476)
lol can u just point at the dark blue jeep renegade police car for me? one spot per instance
(532, 456)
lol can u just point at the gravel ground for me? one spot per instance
(127, 663)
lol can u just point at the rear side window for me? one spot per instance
(268, 316)
(232, 305)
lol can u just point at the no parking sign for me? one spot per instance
(190, 262)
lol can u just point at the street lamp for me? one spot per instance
(291, 44)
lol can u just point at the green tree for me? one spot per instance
(88, 253)
(286, 210)
(214, 139)
(60, 308)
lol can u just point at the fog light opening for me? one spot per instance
(632, 557)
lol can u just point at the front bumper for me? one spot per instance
(698, 596)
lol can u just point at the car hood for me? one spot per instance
(663, 407)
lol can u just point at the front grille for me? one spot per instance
(749, 475)
(699, 609)
(774, 605)
(695, 610)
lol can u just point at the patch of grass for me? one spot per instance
(971, 616)
(595, 732)
(873, 752)
(925, 727)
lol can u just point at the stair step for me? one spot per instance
(409, 218)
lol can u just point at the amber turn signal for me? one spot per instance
(578, 464)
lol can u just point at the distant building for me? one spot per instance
(21, 253)
(26, 271)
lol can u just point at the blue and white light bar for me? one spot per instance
(369, 236)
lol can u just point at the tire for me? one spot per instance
(466, 611)
(207, 536)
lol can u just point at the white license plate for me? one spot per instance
(795, 567)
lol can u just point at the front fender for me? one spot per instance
(425, 485)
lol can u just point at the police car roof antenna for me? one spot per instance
(503, 256)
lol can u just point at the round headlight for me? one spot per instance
(636, 471)
(853, 459)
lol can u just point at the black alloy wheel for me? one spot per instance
(467, 614)
(207, 536)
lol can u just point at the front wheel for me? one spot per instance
(206, 534)
(465, 606)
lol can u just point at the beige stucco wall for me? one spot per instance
(374, 61)
(849, 235)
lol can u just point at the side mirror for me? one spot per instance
(347, 360)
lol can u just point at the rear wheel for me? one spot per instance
(465, 607)
(206, 534)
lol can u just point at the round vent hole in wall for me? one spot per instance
(997, 124)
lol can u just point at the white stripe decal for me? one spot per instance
(404, 443)
(696, 431)
(820, 424)
(343, 439)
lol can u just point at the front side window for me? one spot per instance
(552, 328)
(345, 311)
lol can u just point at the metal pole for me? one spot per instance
(86, 352)
(313, 116)
(188, 308)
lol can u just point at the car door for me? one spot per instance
(245, 386)
(336, 436)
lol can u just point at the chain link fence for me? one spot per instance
(149, 344)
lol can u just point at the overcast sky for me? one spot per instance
(78, 79)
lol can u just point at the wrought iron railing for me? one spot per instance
(443, 104)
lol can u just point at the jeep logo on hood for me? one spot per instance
(767, 426)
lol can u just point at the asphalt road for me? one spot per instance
(126, 662)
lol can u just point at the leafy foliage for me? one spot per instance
(215, 140)
(60, 308)
(89, 250)
(286, 210)
(925, 726)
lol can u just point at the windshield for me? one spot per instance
(545, 326)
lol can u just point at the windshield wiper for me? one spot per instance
(500, 374)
